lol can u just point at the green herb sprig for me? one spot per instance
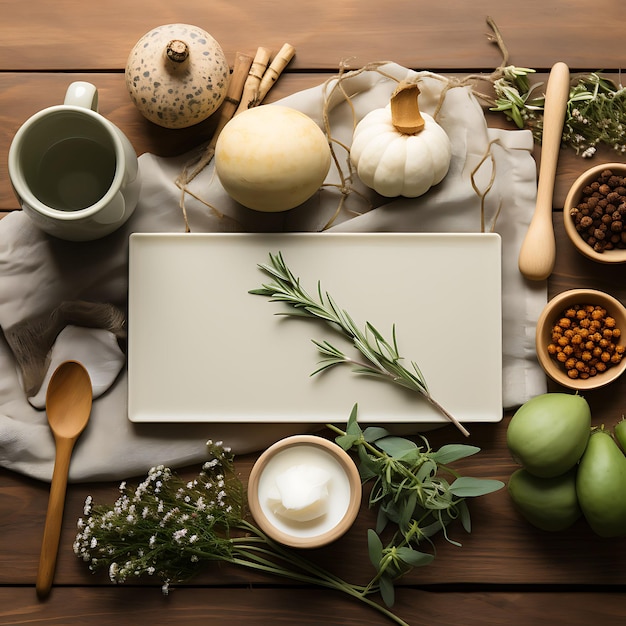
(595, 115)
(596, 107)
(169, 529)
(412, 494)
(383, 357)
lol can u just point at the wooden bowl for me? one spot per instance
(573, 199)
(550, 317)
(340, 507)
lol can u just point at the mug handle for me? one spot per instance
(82, 94)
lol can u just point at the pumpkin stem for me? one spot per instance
(405, 112)
(177, 51)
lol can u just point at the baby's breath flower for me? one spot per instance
(87, 506)
(113, 571)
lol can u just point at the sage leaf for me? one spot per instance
(396, 447)
(468, 487)
(353, 427)
(414, 558)
(368, 467)
(387, 592)
(346, 441)
(373, 433)
(464, 515)
(381, 520)
(407, 509)
(427, 470)
(453, 452)
(374, 548)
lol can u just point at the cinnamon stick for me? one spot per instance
(278, 64)
(232, 101)
(249, 97)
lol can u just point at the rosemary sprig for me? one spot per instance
(383, 357)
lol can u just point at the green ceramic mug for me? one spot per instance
(75, 173)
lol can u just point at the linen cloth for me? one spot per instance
(39, 273)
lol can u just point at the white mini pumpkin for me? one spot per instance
(398, 150)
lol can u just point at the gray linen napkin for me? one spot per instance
(39, 274)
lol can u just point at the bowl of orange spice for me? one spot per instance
(580, 339)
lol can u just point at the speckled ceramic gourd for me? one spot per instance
(177, 75)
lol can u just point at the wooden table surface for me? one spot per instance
(506, 571)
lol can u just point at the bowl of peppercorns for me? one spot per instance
(595, 213)
(580, 339)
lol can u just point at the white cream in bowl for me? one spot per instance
(304, 491)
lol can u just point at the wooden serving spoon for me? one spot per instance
(538, 252)
(68, 405)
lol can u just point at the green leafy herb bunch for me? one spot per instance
(595, 114)
(417, 495)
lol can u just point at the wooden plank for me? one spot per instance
(269, 606)
(71, 35)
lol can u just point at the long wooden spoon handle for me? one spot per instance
(538, 252)
(54, 518)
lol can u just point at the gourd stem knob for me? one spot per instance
(405, 112)
(177, 51)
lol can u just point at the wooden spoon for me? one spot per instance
(538, 252)
(68, 405)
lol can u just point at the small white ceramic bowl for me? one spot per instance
(573, 200)
(341, 503)
(549, 318)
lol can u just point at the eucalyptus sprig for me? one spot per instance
(383, 357)
(169, 528)
(416, 492)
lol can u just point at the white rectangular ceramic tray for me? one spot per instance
(203, 349)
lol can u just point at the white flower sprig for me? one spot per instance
(169, 528)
